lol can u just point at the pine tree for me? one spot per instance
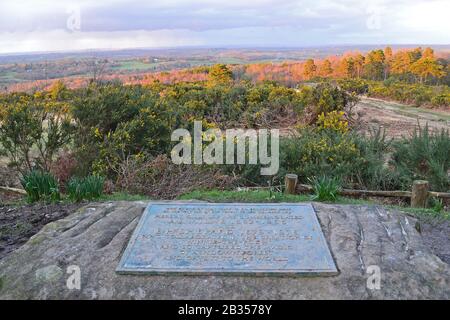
(425, 67)
(220, 74)
(309, 69)
(325, 69)
(374, 65)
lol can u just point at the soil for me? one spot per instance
(20, 223)
(398, 119)
(8, 177)
(9, 197)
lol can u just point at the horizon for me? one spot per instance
(256, 48)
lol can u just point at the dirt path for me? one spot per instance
(398, 119)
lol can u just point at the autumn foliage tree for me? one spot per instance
(309, 69)
(325, 69)
(346, 68)
(374, 65)
(220, 74)
(427, 66)
(388, 60)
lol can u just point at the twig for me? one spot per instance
(13, 190)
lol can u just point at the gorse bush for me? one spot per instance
(370, 162)
(33, 128)
(358, 161)
(87, 188)
(424, 156)
(327, 152)
(40, 185)
(325, 188)
(372, 172)
(356, 86)
(115, 122)
(120, 131)
(441, 100)
(324, 98)
(333, 121)
(416, 94)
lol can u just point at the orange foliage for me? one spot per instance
(413, 63)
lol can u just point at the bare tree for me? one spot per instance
(97, 68)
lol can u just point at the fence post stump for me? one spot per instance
(419, 195)
(291, 183)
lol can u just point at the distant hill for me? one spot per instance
(39, 70)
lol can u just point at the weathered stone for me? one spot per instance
(51, 273)
(94, 239)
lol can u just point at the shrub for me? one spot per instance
(87, 188)
(424, 156)
(326, 152)
(324, 98)
(114, 121)
(416, 94)
(146, 132)
(63, 168)
(325, 188)
(160, 178)
(441, 100)
(373, 172)
(356, 86)
(436, 205)
(220, 74)
(356, 160)
(33, 122)
(40, 185)
(333, 121)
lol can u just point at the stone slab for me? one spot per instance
(95, 237)
(228, 239)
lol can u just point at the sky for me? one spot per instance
(65, 25)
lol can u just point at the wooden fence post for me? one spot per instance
(291, 183)
(419, 195)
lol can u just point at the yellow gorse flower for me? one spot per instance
(333, 120)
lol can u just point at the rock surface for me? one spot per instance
(95, 236)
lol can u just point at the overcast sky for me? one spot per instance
(51, 25)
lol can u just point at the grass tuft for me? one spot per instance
(87, 188)
(325, 189)
(40, 185)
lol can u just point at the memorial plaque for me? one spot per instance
(205, 238)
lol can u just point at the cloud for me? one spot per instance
(221, 23)
(57, 40)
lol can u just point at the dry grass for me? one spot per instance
(161, 179)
